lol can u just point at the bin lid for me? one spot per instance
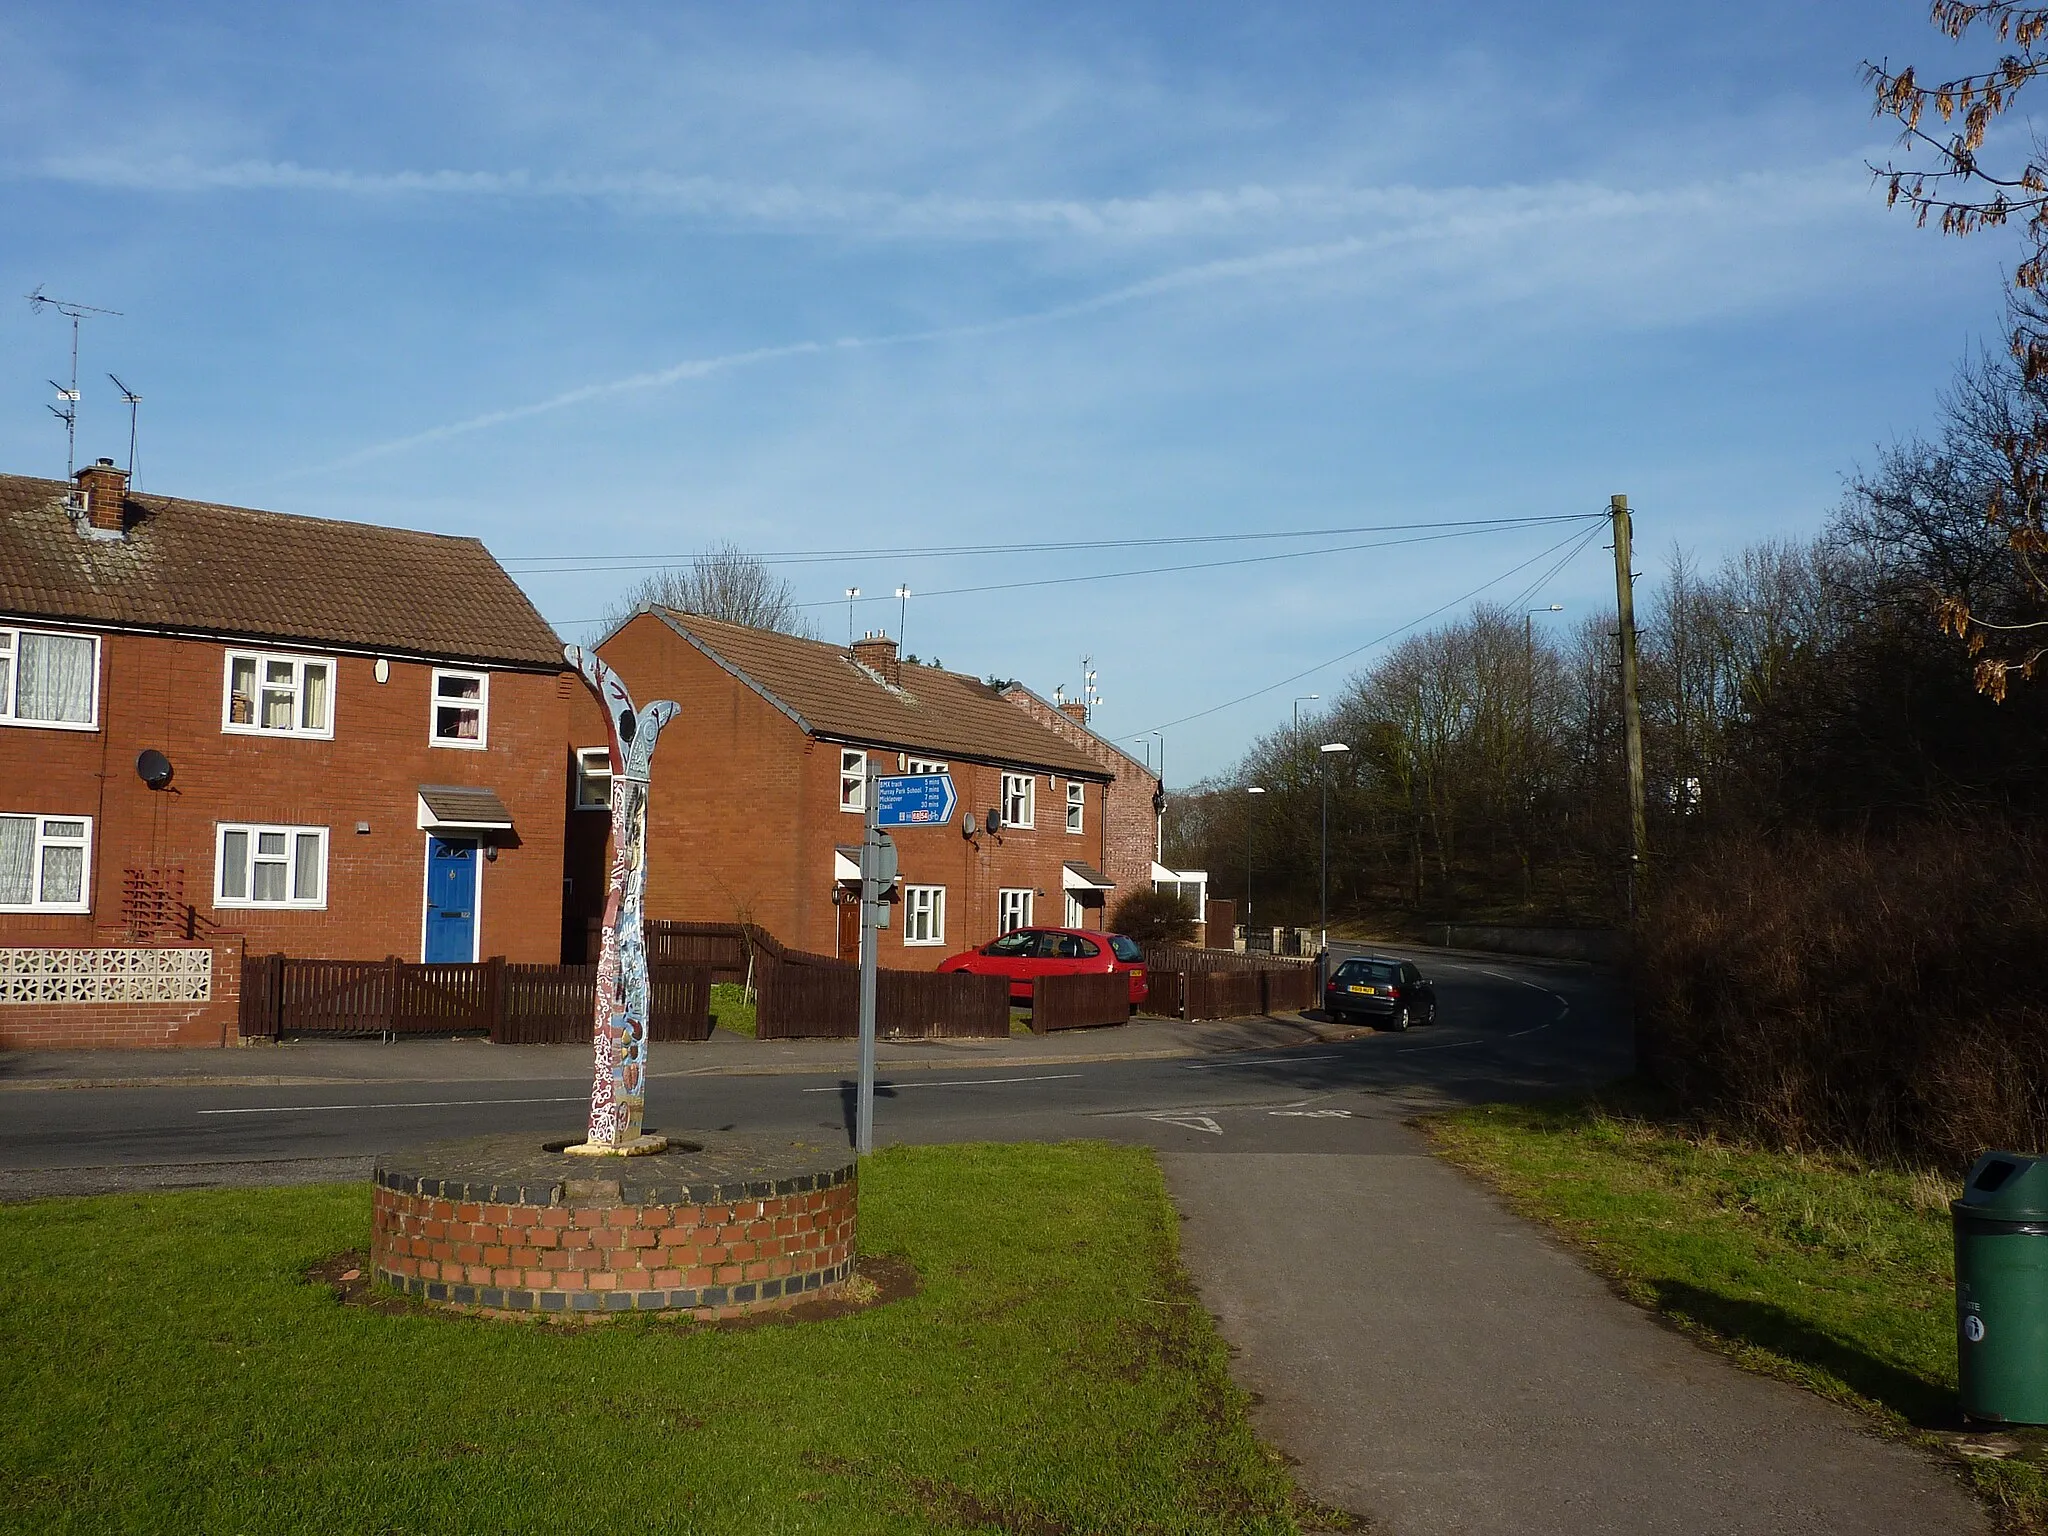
(2009, 1186)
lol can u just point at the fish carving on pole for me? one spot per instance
(618, 1092)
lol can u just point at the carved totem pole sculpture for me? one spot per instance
(618, 1092)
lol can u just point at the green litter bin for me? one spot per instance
(2001, 1226)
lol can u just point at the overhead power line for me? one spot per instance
(1577, 541)
(540, 565)
(1454, 531)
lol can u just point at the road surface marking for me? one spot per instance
(1313, 1114)
(1251, 1061)
(956, 1082)
(314, 1109)
(1190, 1123)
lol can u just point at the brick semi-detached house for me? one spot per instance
(756, 808)
(341, 740)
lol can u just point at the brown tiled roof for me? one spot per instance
(460, 805)
(947, 713)
(235, 571)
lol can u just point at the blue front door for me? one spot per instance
(451, 899)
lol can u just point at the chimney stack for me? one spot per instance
(106, 496)
(877, 651)
(1074, 709)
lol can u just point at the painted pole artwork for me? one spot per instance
(618, 1091)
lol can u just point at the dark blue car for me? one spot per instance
(1386, 993)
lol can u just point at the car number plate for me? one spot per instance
(1363, 991)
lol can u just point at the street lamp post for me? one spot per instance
(1529, 668)
(1250, 789)
(1306, 698)
(1328, 749)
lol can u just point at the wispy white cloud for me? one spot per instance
(1486, 244)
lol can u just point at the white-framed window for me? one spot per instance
(258, 866)
(44, 862)
(1075, 912)
(924, 914)
(922, 765)
(1017, 799)
(1077, 808)
(267, 694)
(49, 679)
(593, 778)
(853, 780)
(1013, 910)
(462, 705)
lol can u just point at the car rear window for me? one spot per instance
(1125, 949)
(1368, 970)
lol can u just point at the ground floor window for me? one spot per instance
(1013, 910)
(270, 867)
(43, 860)
(924, 914)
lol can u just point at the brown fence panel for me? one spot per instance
(923, 1005)
(1079, 1002)
(1221, 994)
(336, 997)
(1288, 989)
(806, 1002)
(546, 1004)
(262, 989)
(1166, 994)
(444, 999)
(679, 1007)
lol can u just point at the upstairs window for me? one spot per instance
(1077, 808)
(461, 706)
(593, 778)
(923, 765)
(1017, 788)
(272, 695)
(853, 780)
(271, 867)
(43, 860)
(49, 680)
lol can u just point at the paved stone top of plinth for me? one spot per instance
(700, 1168)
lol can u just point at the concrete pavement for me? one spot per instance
(1441, 1366)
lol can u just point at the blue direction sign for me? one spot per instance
(915, 800)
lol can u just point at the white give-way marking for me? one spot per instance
(1190, 1122)
(321, 1109)
(955, 1082)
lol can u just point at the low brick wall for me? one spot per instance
(605, 1243)
(111, 996)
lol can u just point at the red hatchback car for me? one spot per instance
(1025, 954)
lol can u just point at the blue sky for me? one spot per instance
(622, 281)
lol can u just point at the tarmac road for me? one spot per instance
(1434, 1363)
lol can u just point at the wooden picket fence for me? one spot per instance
(1188, 983)
(284, 998)
(802, 996)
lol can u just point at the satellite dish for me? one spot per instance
(993, 820)
(153, 768)
(967, 826)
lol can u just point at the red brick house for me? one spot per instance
(342, 740)
(757, 806)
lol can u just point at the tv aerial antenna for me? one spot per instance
(133, 400)
(67, 413)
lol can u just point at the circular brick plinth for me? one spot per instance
(718, 1225)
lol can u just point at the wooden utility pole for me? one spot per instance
(1631, 703)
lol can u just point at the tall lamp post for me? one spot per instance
(1529, 667)
(1328, 749)
(1249, 807)
(1306, 698)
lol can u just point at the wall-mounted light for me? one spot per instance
(491, 854)
(362, 826)
(382, 670)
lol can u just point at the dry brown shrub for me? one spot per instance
(1881, 994)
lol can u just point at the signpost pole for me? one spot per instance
(870, 893)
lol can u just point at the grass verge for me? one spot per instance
(1822, 1270)
(732, 1008)
(170, 1369)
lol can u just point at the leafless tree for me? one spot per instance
(1964, 194)
(723, 583)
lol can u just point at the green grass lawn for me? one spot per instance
(732, 1008)
(1831, 1273)
(168, 1369)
